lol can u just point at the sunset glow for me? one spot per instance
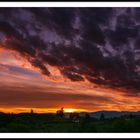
(81, 64)
(70, 110)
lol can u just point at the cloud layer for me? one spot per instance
(100, 45)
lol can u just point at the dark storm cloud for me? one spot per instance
(122, 33)
(38, 64)
(59, 20)
(97, 44)
(8, 29)
(92, 31)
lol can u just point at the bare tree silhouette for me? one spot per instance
(31, 111)
(60, 112)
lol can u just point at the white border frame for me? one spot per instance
(69, 135)
(69, 4)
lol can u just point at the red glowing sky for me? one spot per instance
(23, 87)
(86, 59)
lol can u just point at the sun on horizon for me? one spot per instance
(70, 110)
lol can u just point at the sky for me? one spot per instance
(87, 59)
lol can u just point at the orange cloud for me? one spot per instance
(1, 50)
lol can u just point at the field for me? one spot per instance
(52, 123)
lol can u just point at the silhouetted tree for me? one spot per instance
(60, 112)
(31, 111)
(102, 117)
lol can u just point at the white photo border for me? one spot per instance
(70, 135)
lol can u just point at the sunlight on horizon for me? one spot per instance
(70, 110)
(40, 110)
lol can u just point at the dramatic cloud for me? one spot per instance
(100, 45)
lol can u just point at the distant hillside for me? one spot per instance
(109, 114)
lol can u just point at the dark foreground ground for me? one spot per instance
(52, 123)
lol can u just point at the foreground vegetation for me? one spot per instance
(31, 122)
